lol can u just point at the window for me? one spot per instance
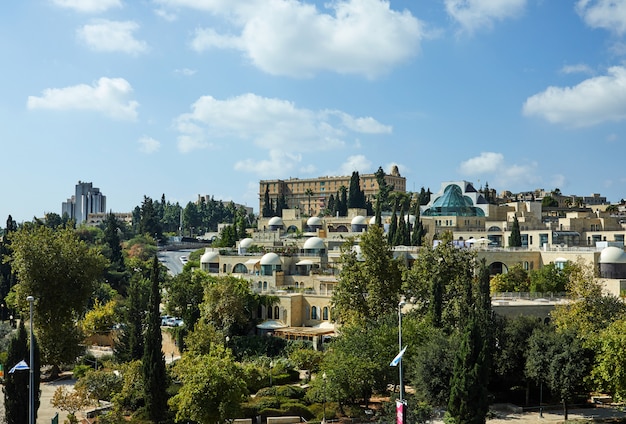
(314, 312)
(276, 312)
(325, 313)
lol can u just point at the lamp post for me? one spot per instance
(31, 384)
(324, 401)
(271, 369)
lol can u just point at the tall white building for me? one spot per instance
(88, 199)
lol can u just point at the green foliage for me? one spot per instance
(81, 370)
(435, 281)
(153, 362)
(131, 395)
(515, 240)
(15, 389)
(515, 280)
(100, 319)
(367, 289)
(549, 279)
(212, 387)
(609, 369)
(61, 273)
(100, 384)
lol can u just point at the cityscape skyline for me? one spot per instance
(194, 97)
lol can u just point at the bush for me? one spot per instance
(298, 409)
(80, 370)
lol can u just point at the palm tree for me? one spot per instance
(309, 193)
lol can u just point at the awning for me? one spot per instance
(252, 261)
(271, 324)
(305, 262)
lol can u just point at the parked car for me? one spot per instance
(174, 322)
(165, 318)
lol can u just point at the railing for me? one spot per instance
(537, 296)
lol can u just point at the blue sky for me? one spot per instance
(188, 97)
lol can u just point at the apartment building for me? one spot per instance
(86, 199)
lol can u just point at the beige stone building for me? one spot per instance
(313, 202)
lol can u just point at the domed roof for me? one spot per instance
(314, 220)
(247, 242)
(612, 255)
(270, 259)
(359, 220)
(373, 220)
(209, 257)
(314, 243)
(275, 221)
(410, 219)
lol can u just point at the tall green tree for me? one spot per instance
(153, 361)
(309, 194)
(150, 221)
(343, 201)
(130, 344)
(213, 387)
(16, 396)
(356, 197)
(369, 287)
(417, 235)
(469, 401)
(267, 211)
(515, 240)
(393, 225)
(60, 272)
(384, 189)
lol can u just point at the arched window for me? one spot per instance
(269, 312)
(264, 285)
(260, 285)
(325, 313)
(314, 312)
(276, 312)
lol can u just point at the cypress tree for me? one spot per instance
(343, 201)
(153, 361)
(515, 240)
(393, 226)
(378, 220)
(16, 384)
(267, 203)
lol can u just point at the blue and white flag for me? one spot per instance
(396, 360)
(20, 366)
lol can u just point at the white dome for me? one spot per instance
(275, 221)
(314, 220)
(209, 257)
(373, 220)
(245, 243)
(359, 220)
(270, 259)
(612, 255)
(314, 243)
(410, 219)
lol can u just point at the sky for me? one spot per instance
(194, 97)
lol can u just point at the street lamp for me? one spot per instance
(31, 384)
(324, 402)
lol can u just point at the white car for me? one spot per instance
(174, 322)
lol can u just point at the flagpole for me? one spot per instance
(401, 377)
(31, 388)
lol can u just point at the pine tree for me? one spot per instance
(153, 361)
(515, 240)
(130, 345)
(267, 204)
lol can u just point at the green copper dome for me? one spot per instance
(453, 203)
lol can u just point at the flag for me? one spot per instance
(396, 360)
(20, 366)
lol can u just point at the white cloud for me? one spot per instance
(112, 36)
(288, 37)
(593, 101)
(475, 14)
(580, 68)
(107, 95)
(287, 133)
(148, 145)
(493, 167)
(88, 6)
(185, 71)
(165, 15)
(606, 14)
(269, 123)
(355, 163)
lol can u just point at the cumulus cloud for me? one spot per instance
(88, 6)
(476, 14)
(107, 95)
(606, 14)
(112, 36)
(355, 163)
(593, 101)
(274, 125)
(493, 167)
(293, 38)
(148, 145)
(185, 71)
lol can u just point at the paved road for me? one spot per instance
(171, 259)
